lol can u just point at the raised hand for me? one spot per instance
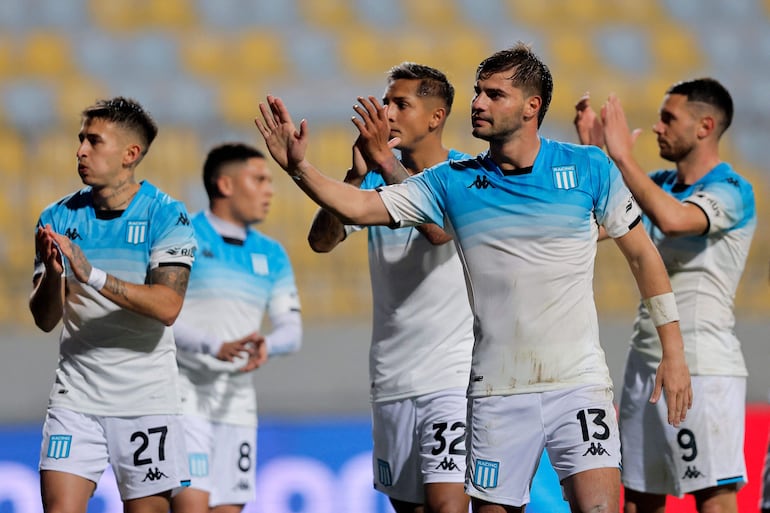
(374, 132)
(617, 136)
(589, 126)
(46, 247)
(78, 262)
(286, 144)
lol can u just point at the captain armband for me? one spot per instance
(662, 308)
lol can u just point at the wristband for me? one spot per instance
(97, 279)
(662, 308)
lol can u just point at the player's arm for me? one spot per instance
(287, 146)
(651, 277)
(160, 297)
(327, 231)
(376, 148)
(672, 217)
(47, 299)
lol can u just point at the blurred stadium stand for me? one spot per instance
(201, 67)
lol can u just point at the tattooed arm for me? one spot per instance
(160, 297)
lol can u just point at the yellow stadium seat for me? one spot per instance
(326, 13)
(173, 14)
(674, 49)
(45, 54)
(207, 55)
(74, 94)
(13, 151)
(365, 52)
(119, 15)
(259, 54)
(432, 14)
(238, 100)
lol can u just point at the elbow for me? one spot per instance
(45, 325)
(169, 315)
(319, 245)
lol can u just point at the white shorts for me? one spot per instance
(222, 460)
(507, 434)
(147, 453)
(419, 440)
(706, 450)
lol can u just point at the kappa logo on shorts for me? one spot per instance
(564, 177)
(154, 475)
(199, 464)
(383, 473)
(486, 473)
(448, 464)
(692, 472)
(59, 446)
(596, 449)
(242, 485)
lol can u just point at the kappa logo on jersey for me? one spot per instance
(259, 264)
(564, 177)
(137, 232)
(732, 181)
(183, 219)
(596, 449)
(383, 473)
(692, 472)
(448, 464)
(486, 473)
(72, 234)
(207, 253)
(154, 474)
(199, 464)
(59, 446)
(481, 182)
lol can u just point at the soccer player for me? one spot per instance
(702, 217)
(525, 216)
(112, 263)
(422, 333)
(239, 276)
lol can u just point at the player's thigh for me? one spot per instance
(63, 492)
(190, 500)
(148, 454)
(441, 418)
(158, 503)
(594, 490)
(505, 440)
(233, 480)
(446, 498)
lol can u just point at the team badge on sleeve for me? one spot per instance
(565, 177)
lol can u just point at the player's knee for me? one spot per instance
(447, 505)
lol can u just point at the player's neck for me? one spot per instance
(516, 152)
(696, 165)
(117, 196)
(422, 157)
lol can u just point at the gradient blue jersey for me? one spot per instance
(705, 271)
(112, 361)
(527, 241)
(233, 285)
(422, 330)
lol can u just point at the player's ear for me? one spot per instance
(532, 106)
(132, 155)
(225, 185)
(706, 126)
(437, 117)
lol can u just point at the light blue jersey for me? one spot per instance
(422, 330)
(705, 271)
(112, 361)
(527, 241)
(233, 285)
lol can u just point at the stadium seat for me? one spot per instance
(45, 54)
(259, 54)
(329, 14)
